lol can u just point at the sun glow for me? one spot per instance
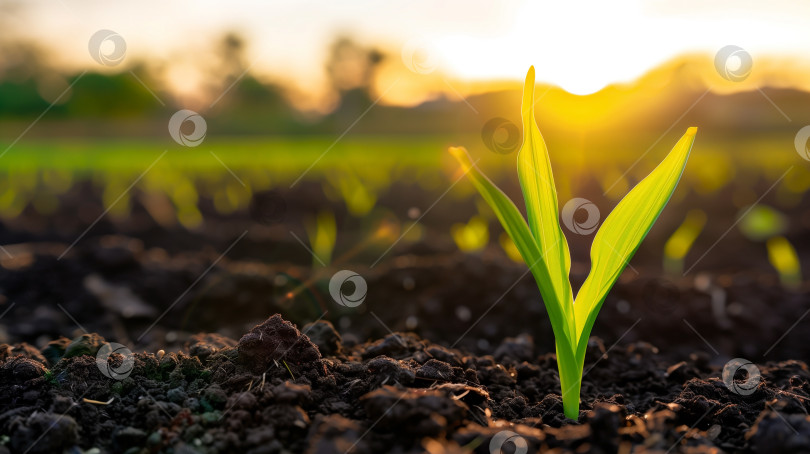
(584, 48)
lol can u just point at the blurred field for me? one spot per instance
(81, 148)
(372, 176)
(47, 167)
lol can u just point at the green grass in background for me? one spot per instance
(358, 168)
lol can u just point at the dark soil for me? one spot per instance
(249, 353)
(276, 392)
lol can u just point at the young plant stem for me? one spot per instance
(570, 370)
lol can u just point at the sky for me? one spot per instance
(580, 46)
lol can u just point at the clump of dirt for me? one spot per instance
(277, 340)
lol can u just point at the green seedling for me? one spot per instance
(785, 260)
(322, 234)
(764, 223)
(681, 242)
(472, 236)
(545, 250)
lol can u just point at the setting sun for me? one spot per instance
(611, 42)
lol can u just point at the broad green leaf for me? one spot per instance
(622, 232)
(540, 194)
(515, 226)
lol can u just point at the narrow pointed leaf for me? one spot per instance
(622, 232)
(540, 194)
(515, 226)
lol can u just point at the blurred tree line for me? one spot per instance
(120, 104)
(29, 85)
